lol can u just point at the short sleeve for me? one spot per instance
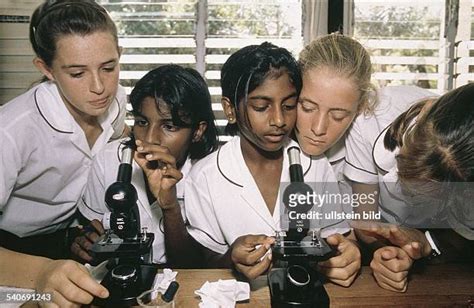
(203, 225)
(10, 164)
(359, 166)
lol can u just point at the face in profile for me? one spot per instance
(86, 71)
(271, 112)
(327, 105)
(156, 127)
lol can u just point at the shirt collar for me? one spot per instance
(53, 110)
(231, 163)
(383, 158)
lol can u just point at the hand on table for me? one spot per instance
(83, 243)
(248, 254)
(390, 267)
(343, 268)
(69, 283)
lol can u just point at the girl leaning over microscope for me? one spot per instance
(174, 125)
(232, 196)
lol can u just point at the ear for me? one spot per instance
(229, 110)
(120, 50)
(43, 68)
(199, 132)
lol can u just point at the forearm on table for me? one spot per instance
(181, 248)
(20, 270)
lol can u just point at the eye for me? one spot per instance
(170, 127)
(259, 108)
(308, 107)
(109, 69)
(339, 116)
(289, 106)
(141, 122)
(76, 75)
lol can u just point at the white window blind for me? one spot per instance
(200, 34)
(427, 43)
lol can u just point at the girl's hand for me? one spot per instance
(249, 254)
(343, 268)
(83, 243)
(70, 284)
(412, 241)
(390, 267)
(160, 169)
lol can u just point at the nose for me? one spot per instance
(320, 124)
(277, 119)
(152, 135)
(97, 85)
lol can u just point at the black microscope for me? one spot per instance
(293, 281)
(127, 247)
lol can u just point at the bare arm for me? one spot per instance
(217, 260)
(181, 248)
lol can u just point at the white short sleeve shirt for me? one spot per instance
(366, 129)
(367, 160)
(223, 201)
(104, 173)
(45, 159)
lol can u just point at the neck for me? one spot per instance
(254, 154)
(83, 119)
(89, 124)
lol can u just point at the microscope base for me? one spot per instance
(125, 295)
(284, 294)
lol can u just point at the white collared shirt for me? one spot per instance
(45, 159)
(336, 156)
(104, 172)
(223, 201)
(364, 132)
(367, 160)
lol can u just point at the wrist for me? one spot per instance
(171, 209)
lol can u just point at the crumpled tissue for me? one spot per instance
(223, 293)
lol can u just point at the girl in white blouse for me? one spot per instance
(49, 136)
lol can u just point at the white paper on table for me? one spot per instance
(223, 293)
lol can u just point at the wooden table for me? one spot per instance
(435, 286)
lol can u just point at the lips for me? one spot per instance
(315, 142)
(100, 102)
(275, 137)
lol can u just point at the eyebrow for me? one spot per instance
(330, 109)
(163, 119)
(268, 98)
(82, 65)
